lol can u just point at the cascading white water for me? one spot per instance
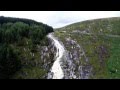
(56, 68)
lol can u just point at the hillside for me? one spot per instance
(24, 49)
(93, 49)
(83, 50)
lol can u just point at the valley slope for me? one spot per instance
(25, 51)
(93, 49)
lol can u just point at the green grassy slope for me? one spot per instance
(100, 40)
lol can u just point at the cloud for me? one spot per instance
(60, 18)
(67, 17)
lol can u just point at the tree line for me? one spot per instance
(12, 32)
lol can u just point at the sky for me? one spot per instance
(58, 19)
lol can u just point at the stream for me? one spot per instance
(56, 68)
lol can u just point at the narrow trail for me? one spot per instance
(56, 68)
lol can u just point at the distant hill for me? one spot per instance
(107, 25)
(99, 39)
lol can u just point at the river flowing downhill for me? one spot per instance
(56, 68)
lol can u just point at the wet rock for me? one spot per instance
(46, 49)
(47, 54)
(50, 75)
(72, 66)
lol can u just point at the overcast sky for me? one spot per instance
(60, 18)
